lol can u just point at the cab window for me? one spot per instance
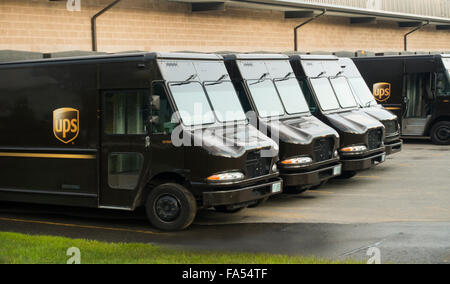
(161, 111)
(442, 85)
(126, 112)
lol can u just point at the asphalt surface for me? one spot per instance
(401, 207)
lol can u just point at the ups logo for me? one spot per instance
(382, 91)
(66, 124)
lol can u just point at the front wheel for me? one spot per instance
(171, 207)
(228, 209)
(440, 133)
(295, 190)
(258, 203)
(346, 175)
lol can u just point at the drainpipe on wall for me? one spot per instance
(413, 31)
(94, 23)
(305, 23)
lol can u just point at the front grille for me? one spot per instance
(256, 165)
(323, 149)
(375, 138)
(391, 127)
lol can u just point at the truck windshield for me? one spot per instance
(447, 65)
(266, 98)
(225, 101)
(325, 94)
(192, 103)
(343, 92)
(362, 92)
(292, 96)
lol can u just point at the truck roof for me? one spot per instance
(349, 67)
(105, 58)
(258, 56)
(316, 57)
(411, 56)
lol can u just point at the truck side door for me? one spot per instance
(124, 146)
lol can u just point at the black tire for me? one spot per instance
(228, 209)
(171, 207)
(259, 203)
(316, 187)
(440, 133)
(346, 175)
(295, 189)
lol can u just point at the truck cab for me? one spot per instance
(268, 88)
(160, 130)
(416, 88)
(369, 105)
(331, 100)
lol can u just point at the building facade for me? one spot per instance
(162, 25)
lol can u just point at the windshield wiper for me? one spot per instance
(321, 74)
(261, 79)
(223, 77)
(287, 77)
(187, 81)
(368, 104)
(338, 74)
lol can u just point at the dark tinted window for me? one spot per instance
(162, 112)
(126, 112)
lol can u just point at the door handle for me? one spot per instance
(147, 141)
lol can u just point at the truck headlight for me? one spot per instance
(353, 149)
(227, 177)
(297, 161)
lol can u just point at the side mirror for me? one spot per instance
(154, 119)
(156, 103)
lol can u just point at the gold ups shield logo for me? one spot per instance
(382, 91)
(66, 124)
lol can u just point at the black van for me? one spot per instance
(416, 88)
(330, 98)
(369, 105)
(267, 86)
(123, 131)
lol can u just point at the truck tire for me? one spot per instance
(228, 209)
(259, 203)
(171, 207)
(295, 190)
(347, 175)
(440, 133)
(316, 187)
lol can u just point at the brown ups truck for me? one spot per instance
(330, 99)
(416, 88)
(267, 86)
(106, 132)
(369, 105)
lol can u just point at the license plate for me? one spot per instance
(383, 158)
(276, 187)
(337, 171)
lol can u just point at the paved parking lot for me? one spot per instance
(412, 186)
(401, 207)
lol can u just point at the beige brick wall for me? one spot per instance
(159, 25)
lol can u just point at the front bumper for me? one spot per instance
(312, 178)
(241, 195)
(394, 146)
(365, 163)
